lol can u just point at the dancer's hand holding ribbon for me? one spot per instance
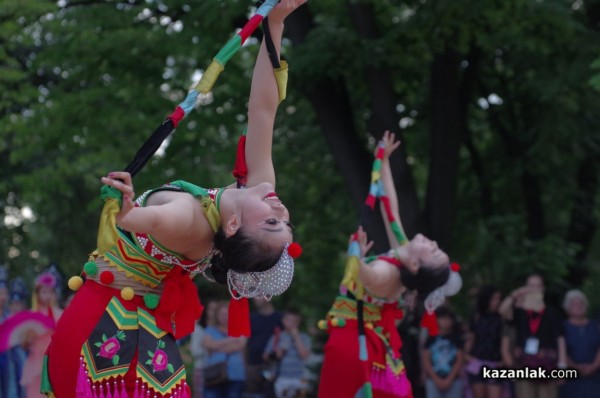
(121, 180)
(284, 8)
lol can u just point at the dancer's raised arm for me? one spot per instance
(390, 145)
(264, 99)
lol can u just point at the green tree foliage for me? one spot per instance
(494, 102)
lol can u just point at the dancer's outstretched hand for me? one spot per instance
(284, 8)
(363, 242)
(390, 143)
(121, 180)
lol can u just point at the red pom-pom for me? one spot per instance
(294, 250)
(455, 267)
(107, 277)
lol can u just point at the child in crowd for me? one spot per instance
(443, 358)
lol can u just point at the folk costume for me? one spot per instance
(118, 336)
(362, 354)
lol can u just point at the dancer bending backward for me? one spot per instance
(418, 264)
(118, 335)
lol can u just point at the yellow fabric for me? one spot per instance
(107, 230)
(209, 77)
(211, 212)
(281, 76)
(351, 278)
(375, 175)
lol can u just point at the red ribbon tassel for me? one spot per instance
(179, 307)
(240, 169)
(429, 321)
(238, 324)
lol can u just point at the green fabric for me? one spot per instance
(377, 165)
(45, 386)
(107, 192)
(398, 233)
(230, 48)
(190, 188)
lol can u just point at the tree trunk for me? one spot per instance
(445, 136)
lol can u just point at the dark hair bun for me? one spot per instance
(218, 270)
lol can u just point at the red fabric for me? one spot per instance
(389, 314)
(176, 116)
(73, 328)
(238, 323)
(391, 260)
(250, 26)
(380, 153)
(179, 304)
(342, 373)
(534, 318)
(370, 201)
(240, 170)
(429, 321)
(386, 205)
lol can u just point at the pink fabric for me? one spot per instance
(384, 380)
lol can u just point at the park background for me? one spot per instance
(496, 103)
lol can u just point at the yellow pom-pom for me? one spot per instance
(322, 324)
(369, 325)
(127, 293)
(335, 322)
(75, 282)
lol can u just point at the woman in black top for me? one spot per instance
(484, 342)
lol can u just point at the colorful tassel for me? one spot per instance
(185, 390)
(108, 394)
(136, 393)
(429, 322)
(83, 385)
(123, 391)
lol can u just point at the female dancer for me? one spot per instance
(419, 265)
(118, 334)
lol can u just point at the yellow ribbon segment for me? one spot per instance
(209, 77)
(107, 230)
(281, 76)
(375, 176)
(351, 277)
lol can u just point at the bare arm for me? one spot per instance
(505, 350)
(227, 345)
(264, 100)
(457, 366)
(170, 216)
(389, 187)
(303, 350)
(562, 350)
(506, 307)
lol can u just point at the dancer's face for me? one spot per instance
(426, 251)
(263, 215)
